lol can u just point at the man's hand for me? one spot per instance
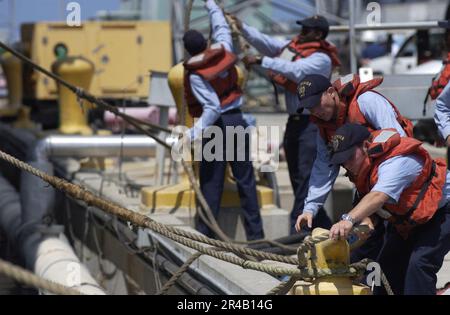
(235, 21)
(180, 146)
(341, 230)
(250, 60)
(447, 142)
(304, 218)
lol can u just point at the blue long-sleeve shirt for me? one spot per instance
(398, 173)
(378, 113)
(202, 90)
(271, 48)
(442, 112)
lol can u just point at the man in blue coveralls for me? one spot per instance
(214, 97)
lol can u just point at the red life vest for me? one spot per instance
(418, 202)
(349, 89)
(303, 50)
(439, 83)
(209, 65)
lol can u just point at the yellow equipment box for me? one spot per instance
(123, 53)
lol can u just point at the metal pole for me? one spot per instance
(353, 65)
(388, 26)
(178, 31)
(160, 150)
(362, 27)
(12, 17)
(62, 10)
(97, 146)
(154, 10)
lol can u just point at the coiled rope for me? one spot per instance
(187, 238)
(82, 94)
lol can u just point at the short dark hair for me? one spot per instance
(194, 42)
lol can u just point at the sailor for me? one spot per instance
(442, 114)
(439, 91)
(331, 106)
(288, 62)
(213, 95)
(396, 174)
(435, 91)
(440, 81)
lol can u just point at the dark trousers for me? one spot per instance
(212, 175)
(411, 265)
(300, 149)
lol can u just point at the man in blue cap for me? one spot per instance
(288, 63)
(440, 91)
(331, 106)
(213, 96)
(396, 177)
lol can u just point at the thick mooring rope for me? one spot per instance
(138, 219)
(173, 280)
(187, 238)
(26, 277)
(138, 125)
(181, 236)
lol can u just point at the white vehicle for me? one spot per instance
(421, 53)
(429, 67)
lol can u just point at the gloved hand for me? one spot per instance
(250, 60)
(235, 20)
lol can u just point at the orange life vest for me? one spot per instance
(303, 50)
(209, 65)
(418, 202)
(439, 83)
(349, 89)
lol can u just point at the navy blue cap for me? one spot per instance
(310, 90)
(316, 21)
(343, 144)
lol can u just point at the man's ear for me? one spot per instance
(365, 145)
(332, 92)
(318, 35)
